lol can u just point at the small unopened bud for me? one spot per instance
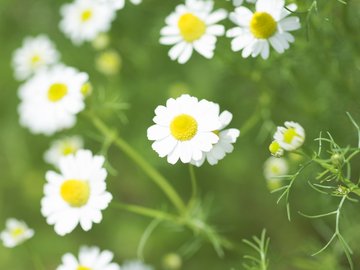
(172, 261)
(86, 89)
(108, 62)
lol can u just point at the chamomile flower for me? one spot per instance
(274, 168)
(184, 129)
(90, 258)
(61, 148)
(290, 137)
(51, 99)
(269, 25)
(192, 26)
(35, 53)
(84, 20)
(77, 194)
(16, 232)
(224, 146)
(275, 149)
(135, 265)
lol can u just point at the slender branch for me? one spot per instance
(193, 185)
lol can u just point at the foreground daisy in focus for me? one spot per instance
(16, 232)
(51, 99)
(84, 20)
(290, 137)
(61, 148)
(269, 25)
(35, 53)
(224, 146)
(77, 194)
(192, 26)
(90, 258)
(135, 265)
(184, 129)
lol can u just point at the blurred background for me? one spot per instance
(314, 83)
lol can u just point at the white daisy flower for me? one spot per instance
(184, 129)
(224, 146)
(51, 99)
(275, 149)
(90, 258)
(192, 27)
(274, 168)
(84, 20)
(61, 148)
(135, 265)
(16, 232)
(35, 53)
(269, 25)
(77, 194)
(290, 137)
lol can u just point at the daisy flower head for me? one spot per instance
(274, 168)
(90, 258)
(135, 265)
(77, 194)
(224, 146)
(34, 54)
(184, 129)
(84, 20)
(269, 25)
(51, 99)
(16, 232)
(192, 26)
(290, 137)
(275, 149)
(61, 148)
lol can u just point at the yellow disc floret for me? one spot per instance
(80, 267)
(262, 25)
(183, 127)
(191, 27)
(16, 232)
(86, 15)
(289, 135)
(57, 91)
(75, 192)
(35, 59)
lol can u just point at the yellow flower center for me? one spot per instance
(75, 192)
(191, 27)
(275, 169)
(86, 15)
(274, 147)
(35, 59)
(289, 135)
(17, 232)
(183, 127)
(67, 149)
(81, 267)
(57, 91)
(262, 25)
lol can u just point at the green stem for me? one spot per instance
(154, 175)
(193, 185)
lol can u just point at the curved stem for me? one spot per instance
(193, 185)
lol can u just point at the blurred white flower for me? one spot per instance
(77, 194)
(84, 20)
(224, 146)
(51, 99)
(90, 258)
(135, 265)
(269, 25)
(290, 137)
(192, 26)
(61, 148)
(274, 168)
(35, 53)
(15, 233)
(184, 129)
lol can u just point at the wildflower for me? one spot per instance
(274, 168)
(135, 265)
(275, 149)
(63, 147)
(35, 53)
(108, 62)
(269, 25)
(16, 232)
(290, 137)
(51, 99)
(184, 129)
(90, 258)
(77, 194)
(192, 26)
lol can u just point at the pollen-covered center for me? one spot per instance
(16, 232)
(262, 25)
(86, 15)
(75, 192)
(57, 91)
(35, 59)
(191, 27)
(183, 127)
(80, 267)
(67, 149)
(289, 135)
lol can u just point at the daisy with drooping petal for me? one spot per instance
(184, 129)
(77, 194)
(16, 232)
(35, 53)
(224, 146)
(51, 99)
(192, 26)
(90, 258)
(84, 20)
(135, 265)
(274, 168)
(269, 25)
(63, 147)
(290, 137)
